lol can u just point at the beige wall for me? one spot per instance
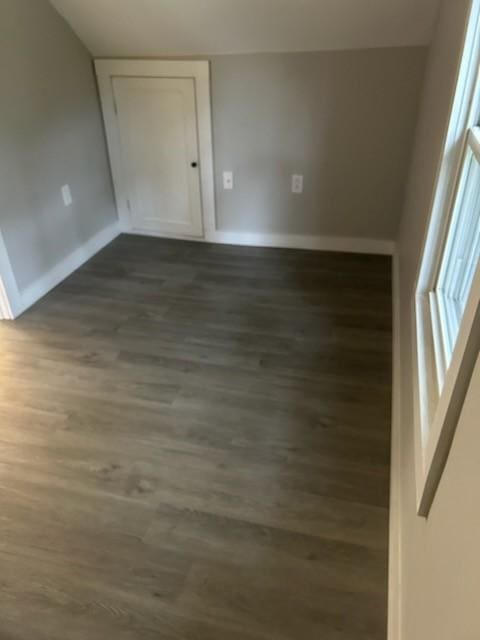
(343, 119)
(50, 134)
(440, 557)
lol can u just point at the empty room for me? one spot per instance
(239, 319)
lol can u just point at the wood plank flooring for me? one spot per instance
(194, 445)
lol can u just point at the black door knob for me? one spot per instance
(194, 165)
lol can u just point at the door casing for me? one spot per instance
(199, 71)
(10, 303)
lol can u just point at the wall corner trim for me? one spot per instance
(49, 280)
(395, 517)
(9, 294)
(315, 243)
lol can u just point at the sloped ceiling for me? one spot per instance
(188, 27)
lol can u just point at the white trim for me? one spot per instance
(431, 407)
(461, 119)
(451, 400)
(199, 70)
(9, 295)
(474, 142)
(67, 266)
(446, 303)
(372, 246)
(395, 523)
(316, 243)
(6, 312)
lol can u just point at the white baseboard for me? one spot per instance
(67, 266)
(316, 243)
(395, 524)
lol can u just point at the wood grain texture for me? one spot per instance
(194, 445)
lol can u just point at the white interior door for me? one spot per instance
(157, 124)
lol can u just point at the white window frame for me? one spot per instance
(448, 302)
(442, 376)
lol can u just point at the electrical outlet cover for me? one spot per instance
(67, 195)
(228, 180)
(297, 184)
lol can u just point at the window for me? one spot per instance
(448, 294)
(460, 257)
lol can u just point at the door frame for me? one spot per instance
(10, 301)
(199, 71)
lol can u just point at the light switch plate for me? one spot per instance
(228, 180)
(297, 184)
(67, 195)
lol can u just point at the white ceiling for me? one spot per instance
(133, 28)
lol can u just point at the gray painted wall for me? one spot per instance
(345, 120)
(50, 134)
(440, 557)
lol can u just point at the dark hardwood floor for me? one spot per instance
(194, 445)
